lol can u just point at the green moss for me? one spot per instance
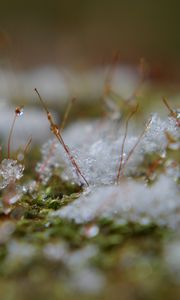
(130, 255)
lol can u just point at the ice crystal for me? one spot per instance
(29, 188)
(10, 171)
(155, 139)
(130, 201)
(97, 150)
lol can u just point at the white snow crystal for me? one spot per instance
(96, 148)
(155, 139)
(10, 171)
(130, 200)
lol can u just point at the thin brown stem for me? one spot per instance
(71, 158)
(55, 130)
(26, 147)
(168, 107)
(124, 140)
(137, 142)
(18, 112)
(142, 71)
(52, 147)
(42, 102)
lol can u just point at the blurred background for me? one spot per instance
(66, 49)
(85, 33)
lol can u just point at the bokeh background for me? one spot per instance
(86, 33)
(65, 49)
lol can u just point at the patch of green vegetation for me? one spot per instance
(116, 244)
(130, 256)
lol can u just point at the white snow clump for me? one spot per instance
(96, 148)
(130, 201)
(10, 171)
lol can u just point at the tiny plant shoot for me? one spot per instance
(123, 164)
(55, 130)
(10, 169)
(18, 112)
(53, 144)
(124, 139)
(173, 113)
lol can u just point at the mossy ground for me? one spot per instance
(130, 255)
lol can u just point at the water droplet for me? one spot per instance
(19, 111)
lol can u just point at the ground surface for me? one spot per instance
(45, 257)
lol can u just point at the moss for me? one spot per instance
(129, 255)
(115, 243)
